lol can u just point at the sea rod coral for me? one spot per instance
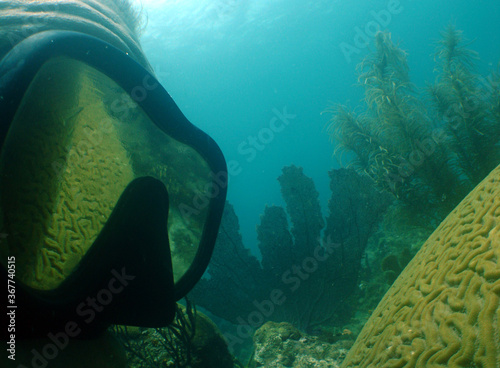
(308, 273)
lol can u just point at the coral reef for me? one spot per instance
(442, 311)
(393, 264)
(234, 277)
(355, 209)
(70, 184)
(65, 177)
(301, 262)
(281, 345)
(302, 279)
(429, 158)
(397, 237)
(191, 340)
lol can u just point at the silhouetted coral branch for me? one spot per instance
(304, 278)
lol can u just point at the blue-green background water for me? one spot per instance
(231, 64)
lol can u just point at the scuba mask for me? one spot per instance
(110, 199)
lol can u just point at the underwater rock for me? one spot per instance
(279, 345)
(192, 340)
(443, 309)
(399, 234)
(210, 348)
(393, 264)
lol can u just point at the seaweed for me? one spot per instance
(171, 346)
(462, 107)
(427, 155)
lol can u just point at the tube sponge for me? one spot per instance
(444, 309)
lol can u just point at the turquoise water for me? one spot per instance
(232, 66)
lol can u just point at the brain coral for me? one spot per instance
(66, 168)
(443, 310)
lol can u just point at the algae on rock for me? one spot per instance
(192, 340)
(282, 345)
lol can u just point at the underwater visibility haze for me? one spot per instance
(250, 183)
(233, 65)
(294, 89)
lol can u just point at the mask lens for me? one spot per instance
(77, 140)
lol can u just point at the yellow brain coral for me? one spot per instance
(443, 310)
(64, 169)
(77, 140)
